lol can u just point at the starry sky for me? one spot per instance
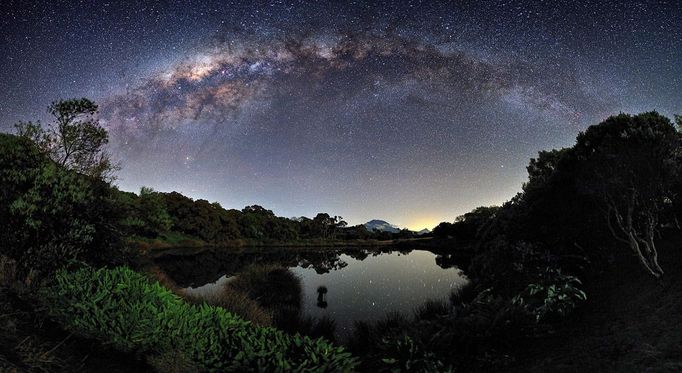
(413, 112)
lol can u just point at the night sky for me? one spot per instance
(413, 112)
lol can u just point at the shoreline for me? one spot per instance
(158, 248)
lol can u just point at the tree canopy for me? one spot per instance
(74, 139)
(616, 187)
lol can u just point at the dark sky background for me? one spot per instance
(413, 112)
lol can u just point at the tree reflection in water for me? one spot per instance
(399, 283)
(322, 296)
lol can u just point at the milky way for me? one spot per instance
(413, 113)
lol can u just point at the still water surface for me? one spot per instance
(365, 285)
(369, 289)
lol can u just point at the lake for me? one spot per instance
(359, 284)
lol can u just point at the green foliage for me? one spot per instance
(153, 208)
(404, 355)
(214, 224)
(630, 164)
(201, 219)
(153, 214)
(144, 215)
(124, 308)
(52, 215)
(555, 294)
(355, 232)
(326, 226)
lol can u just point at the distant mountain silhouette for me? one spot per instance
(381, 225)
(424, 231)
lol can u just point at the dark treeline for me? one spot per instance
(153, 214)
(58, 202)
(609, 198)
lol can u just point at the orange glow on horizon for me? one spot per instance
(420, 222)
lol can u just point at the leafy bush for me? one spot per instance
(479, 331)
(51, 215)
(554, 294)
(134, 314)
(272, 286)
(404, 355)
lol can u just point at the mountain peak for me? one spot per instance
(424, 231)
(381, 225)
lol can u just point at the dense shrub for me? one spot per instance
(273, 286)
(135, 314)
(508, 266)
(224, 296)
(474, 333)
(277, 291)
(51, 215)
(236, 302)
(553, 294)
(467, 228)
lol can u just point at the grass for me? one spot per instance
(228, 298)
(432, 310)
(272, 286)
(265, 294)
(268, 295)
(236, 302)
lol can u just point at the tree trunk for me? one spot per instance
(653, 255)
(634, 245)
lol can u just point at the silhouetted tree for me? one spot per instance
(443, 230)
(74, 140)
(630, 167)
(326, 226)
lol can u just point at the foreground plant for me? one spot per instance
(124, 308)
(553, 294)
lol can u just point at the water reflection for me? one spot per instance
(210, 289)
(366, 285)
(191, 269)
(367, 289)
(321, 296)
